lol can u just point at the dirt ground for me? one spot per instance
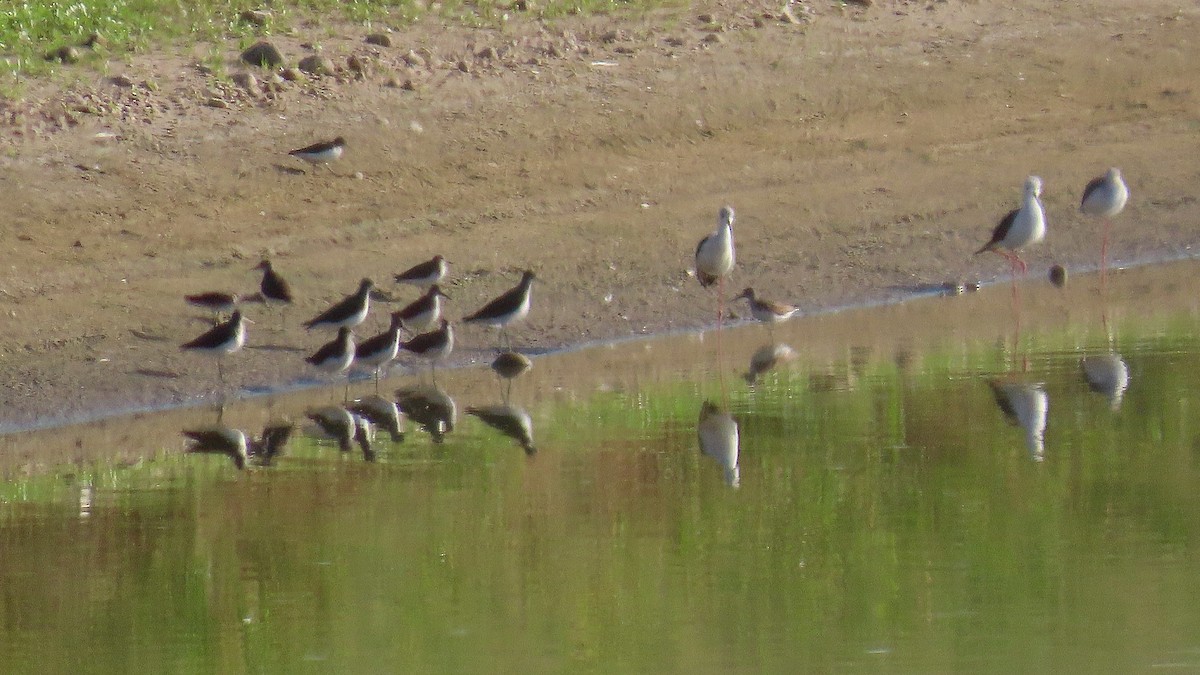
(867, 150)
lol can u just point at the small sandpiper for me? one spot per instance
(1105, 197)
(425, 311)
(274, 288)
(511, 306)
(766, 311)
(1020, 227)
(217, 302)
(335, 356)
(349, 312)
(220, 340)
(715, 258)
(378, 351)
(324, 152)
(425, 274)
(433, 346)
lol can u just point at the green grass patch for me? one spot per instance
(30, 31)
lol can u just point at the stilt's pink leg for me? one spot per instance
(1104, 254)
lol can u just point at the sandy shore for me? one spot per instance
(867, 151)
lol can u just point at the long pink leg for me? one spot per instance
(720, 302)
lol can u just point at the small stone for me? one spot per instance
(487, 53)
(291, 74)
(1058, 276)
(414, 59)
(122, 81)
(714, 39)
(358, 175)
(357, 64)
(95, 40)
(255, 17)
(379, 39)
(612, 36)
(705, 18)
(215, 102)
(246, 81)
(264, 54)
(464, 66)
(674, 41)
(409, 85)
(316, 64)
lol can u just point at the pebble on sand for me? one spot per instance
(1058, 276)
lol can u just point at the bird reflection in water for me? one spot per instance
(718, 434)
(510, 420)
(382, 413)
(430, 407)
(767, 358)
(222, 439)
(1107, 374)
(344, 427)
(1025, 405)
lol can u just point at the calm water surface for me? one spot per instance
(1001, 505)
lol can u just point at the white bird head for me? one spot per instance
(1033, 186)
(725, 217)
(1114, 174)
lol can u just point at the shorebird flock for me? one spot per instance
(431, 335)
(375, 353)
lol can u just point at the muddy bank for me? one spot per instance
(865, 151)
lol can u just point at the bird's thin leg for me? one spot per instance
(346, 395)
(220, 370)
(720, 302)
(1104, 255)
(377, 381)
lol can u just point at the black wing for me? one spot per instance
(1092, 186)
(1001, 231)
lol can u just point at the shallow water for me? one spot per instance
(928, 500)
